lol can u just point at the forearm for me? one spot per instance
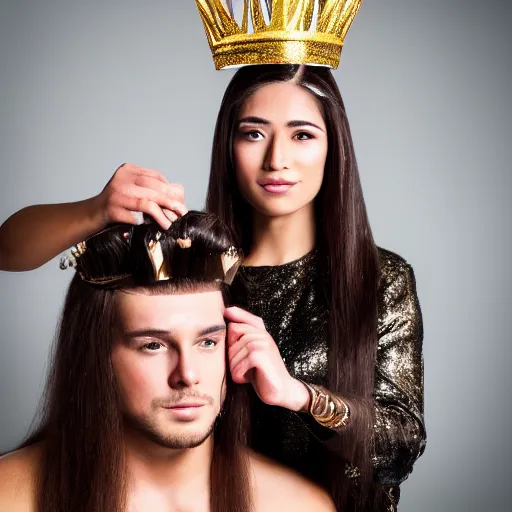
(36, 234)
(399, 440)
(398, 431)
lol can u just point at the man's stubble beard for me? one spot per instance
(148, 429)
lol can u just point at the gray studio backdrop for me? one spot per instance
(87, 85)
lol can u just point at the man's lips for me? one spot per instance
(186, 405)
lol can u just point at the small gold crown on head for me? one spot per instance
(298, 31)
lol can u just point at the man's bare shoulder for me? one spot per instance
(18, 473)
(278, 488)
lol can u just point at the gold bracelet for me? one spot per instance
(328, 409)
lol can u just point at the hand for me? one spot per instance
(254, 358)
(136, 189)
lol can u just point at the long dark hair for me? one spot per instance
(83, 466)
(345, 245)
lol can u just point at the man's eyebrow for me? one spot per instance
(289, 124)
(214, 329)
(141, 333)
(163, 333)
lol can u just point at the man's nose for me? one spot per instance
(185, 372)
(277, 155)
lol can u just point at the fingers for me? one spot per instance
(249, 343)
(239, 315)
(118, 214)
(163, 200)
(236, 331)
(121, 208)
(153, 209)
(150, 173)
(170, 214)
(137, 188)
(171, 190)
(241, 373)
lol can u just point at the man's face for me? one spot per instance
(169, 361)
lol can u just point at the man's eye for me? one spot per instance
(209, 343)
(152, 346)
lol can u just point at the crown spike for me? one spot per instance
(218, 20)
(303, 16)
(336, 16)
(245, 18)
(258, 20)
(291, 15)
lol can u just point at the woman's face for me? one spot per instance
(280, 148)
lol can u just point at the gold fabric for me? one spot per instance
(291, 300)
(289, 37)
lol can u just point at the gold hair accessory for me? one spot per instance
(184, 243)
(75, 252)
(231, 261)
(156, 257)
(217, 267)
(327, 408)
(298, 32)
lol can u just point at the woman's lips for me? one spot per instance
(276, 186)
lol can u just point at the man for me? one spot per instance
(141, 413)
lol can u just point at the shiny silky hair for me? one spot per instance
(83, 464)
(346, 249)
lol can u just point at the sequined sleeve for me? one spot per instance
(399, 431)
(400, 436)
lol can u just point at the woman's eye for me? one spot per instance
(209, 344)
(254, 135)
(303, 136)
(152, 346)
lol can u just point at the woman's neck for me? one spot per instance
(279, 240)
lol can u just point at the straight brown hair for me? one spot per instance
(347, 250)
(83, 467)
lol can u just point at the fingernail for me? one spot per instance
(138, 217)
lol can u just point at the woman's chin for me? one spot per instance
(278, 210)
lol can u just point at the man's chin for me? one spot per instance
(180, 442)
(178, 438)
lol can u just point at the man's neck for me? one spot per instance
(279, 240)
(167, 479)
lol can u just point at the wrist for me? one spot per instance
(298, 396)
(94, 214)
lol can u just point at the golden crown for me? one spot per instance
(297, 32)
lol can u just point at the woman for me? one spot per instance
(343, 313)
(340, 313)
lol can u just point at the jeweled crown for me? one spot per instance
(297, 31)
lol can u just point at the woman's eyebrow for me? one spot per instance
(253, 120)
(295, 124)
(289, 124)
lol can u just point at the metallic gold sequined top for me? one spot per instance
(292, 302)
